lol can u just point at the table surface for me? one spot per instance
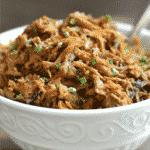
(7, 143)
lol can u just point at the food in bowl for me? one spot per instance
(81, 63)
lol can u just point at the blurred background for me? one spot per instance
(15, 13)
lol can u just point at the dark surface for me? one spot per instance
(14, 13)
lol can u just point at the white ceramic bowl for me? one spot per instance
(38, 128)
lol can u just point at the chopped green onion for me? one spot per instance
(108, 18)
(113, 73)
(67, 35)
(19, 96)
(39, 78)
(15, 79)
(72, 91)
(87, 73)
(81, 99)
(84, 101)
(72, 100)
(111, 61)
(15, 51)
(143, 61)
(69, 69)
(45, 79)
(58, 65)
(51, 20)
(27, 43)
(73, 21)
(37, 49)
(93, 61)
(51, 46)
(78, 77)
(83, 80)
(12, 46)
(57, 87)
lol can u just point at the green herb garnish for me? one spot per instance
(12, 46)
(57, 87)
(111, 61)
(16, 79)
(67, 35)
(143, 61)
(83, 101)
(58, 65)
(108, 18)
(51, 46)
(113, 72)
(15, 51)
(69, 68)
(73, 102)
(19, 96)
(27, 43)
(73, 21)
(127, 47)
(93, 61)
(45, 79)
(37, 49)
(83, 80)
(72, 91)
(87, 73)
(78, 77)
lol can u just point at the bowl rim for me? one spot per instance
(36, 109)
(42, 110)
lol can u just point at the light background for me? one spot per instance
(15, 13)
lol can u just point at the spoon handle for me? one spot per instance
(143, 22)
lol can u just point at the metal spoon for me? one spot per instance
(143, 23)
